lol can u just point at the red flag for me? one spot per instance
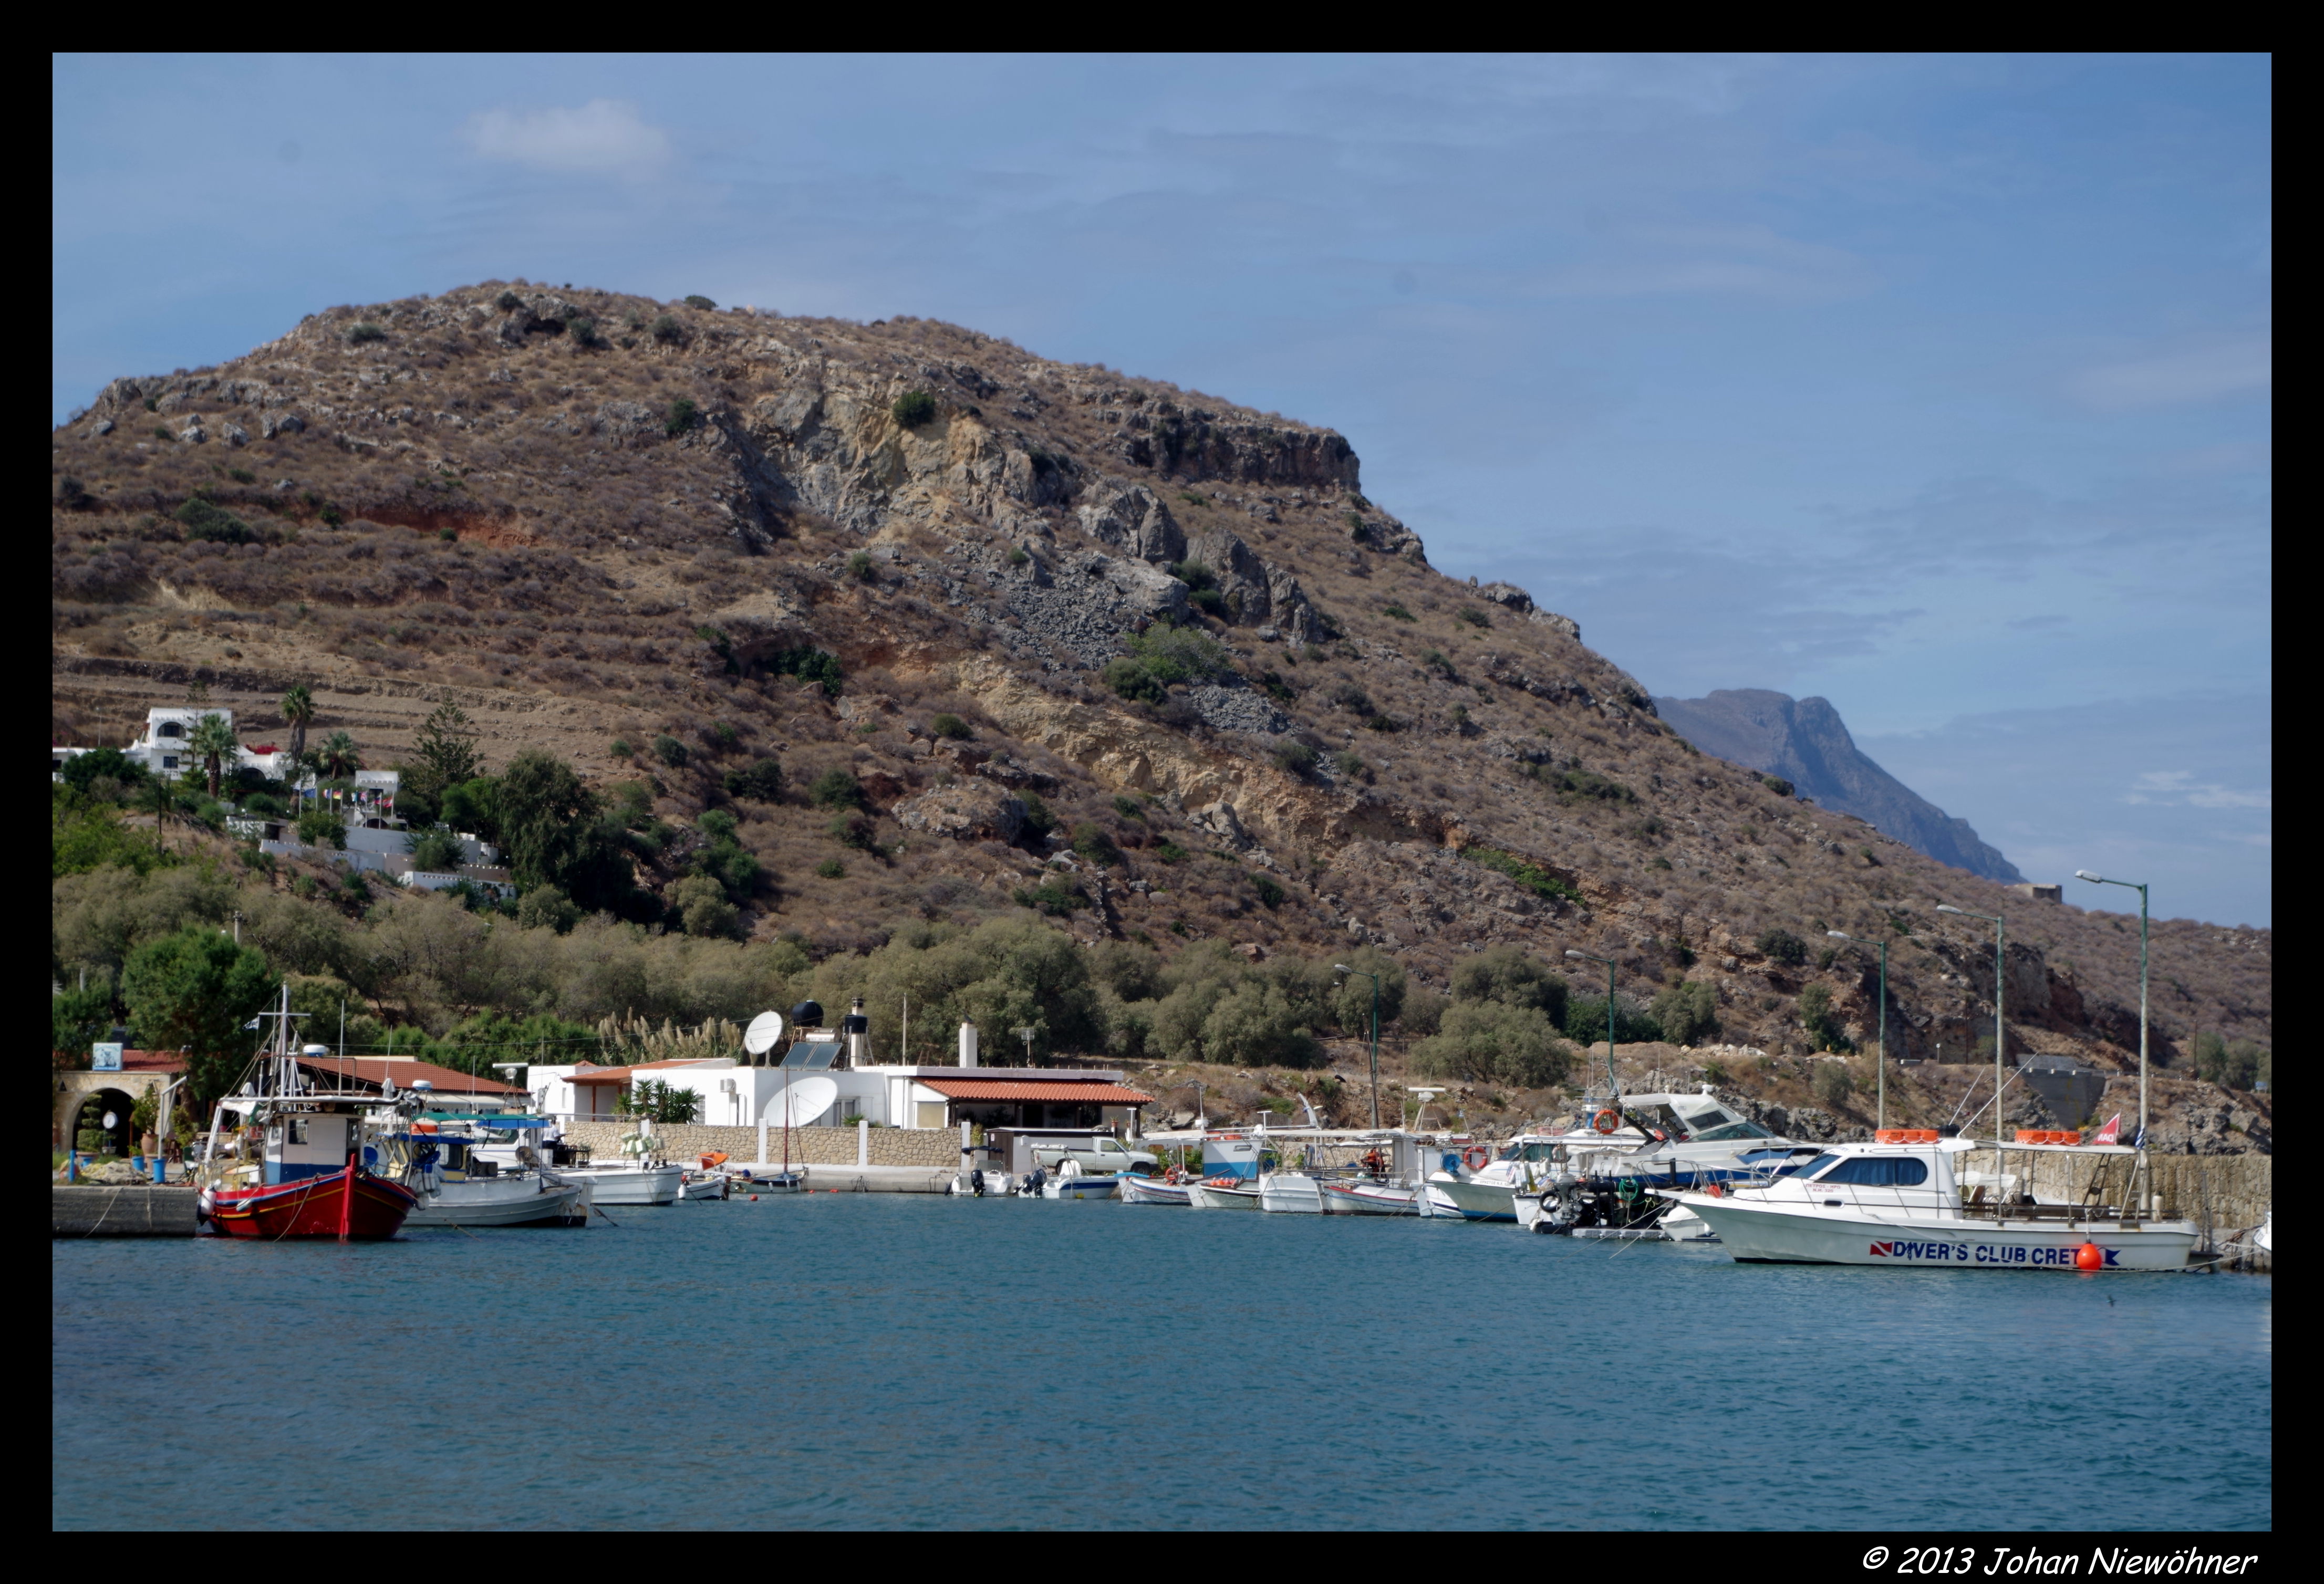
(2110, 1134)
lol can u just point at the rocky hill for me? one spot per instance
(1804, 742)
(1054, 598)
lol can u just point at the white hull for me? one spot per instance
(1290, 1193)
(1681, 1225)
(496, 1202)
(1474, 1202)
(1798, 1235)
(620, 1186)
(1146, 1191)
(1080, 1188)
(1368, 1199)
(1203, 1196)
(703, 1185)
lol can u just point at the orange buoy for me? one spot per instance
(1606, 1121)
(754, 1199)
(2090, 1256)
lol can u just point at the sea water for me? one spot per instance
(894, 1361)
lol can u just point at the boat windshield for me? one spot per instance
(1737, 1128)
(1529, 1152)
(1815, 1165)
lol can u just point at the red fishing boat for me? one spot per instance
(289, 1156)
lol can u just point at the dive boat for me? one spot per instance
(1901, 1204)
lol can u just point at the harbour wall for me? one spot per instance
(92, 1211)
(2232, 1191)
(827, 1147)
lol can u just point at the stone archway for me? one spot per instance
(120, 1139)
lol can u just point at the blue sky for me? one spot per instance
(1939, 386)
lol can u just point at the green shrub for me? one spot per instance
(331, 514)
(1777, 785)
(321, 827)
(583, 331)
(809, 665)
(671, 751)
(1092, 843)
(1193, 575)
(1270, 890)
(1349, 764)
(1589, 786)
(682, 413)
(1038, 821)
(1163, 657)
(913, 409)
(1472, 616)
(851, 829)
(1170, 852)
(1585, 1021)
(835, 789)
(698, 300)
(1833, 1083)
(1128, 807)
(1686, 1012)
(1352, 698)
(1504, 973)
(365, 332)
(1053, 896)
(1295, 758)
(1494, 1042)
(1017, 556)
(1531, 875)
(1382, 723)
(1272, 684)
(622, 749)
(668, 331)
(546, 907)
(1781, 945)
(508, 302)
(762, 781)
(241, 475)
(830, 868)
(724, 736)
(1397, 613)
(435, 851)
(206, 520)
(1820, 1022)
(950, 726)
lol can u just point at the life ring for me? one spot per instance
(1476, 1157)
(1716, 1190)
(1606, 1122)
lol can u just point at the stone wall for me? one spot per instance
(2238, 1188)
(829, 1146)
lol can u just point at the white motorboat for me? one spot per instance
(1085, 1186)
(1681, 1225)
(515, 1200)
(1473, 1200)
(623, 1184)
(1137, 1190)
(1290, 1193)
(1902, 1204)
(1376, 1196)
(709, 1184)
(1223, 1193)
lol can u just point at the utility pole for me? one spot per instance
(2140, 887)
(2000, 1029)
(1612, 1078)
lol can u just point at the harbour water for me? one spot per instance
(897, 1362)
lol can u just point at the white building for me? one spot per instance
(162, 748)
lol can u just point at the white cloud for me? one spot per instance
(603, 137)
(2169, 786)
(2225, 366)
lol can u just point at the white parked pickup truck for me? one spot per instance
(1098, 1156)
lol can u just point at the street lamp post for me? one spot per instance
(1883, 1068)
(2000, 1030)
(1610, 1076)
(2140, 887)
(1343, 968)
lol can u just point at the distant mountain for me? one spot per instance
(1806, 741)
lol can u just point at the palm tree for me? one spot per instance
(213, 740)
(299, 712)
(160, 797)
(337, 756)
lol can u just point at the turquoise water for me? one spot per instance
(876, 1360)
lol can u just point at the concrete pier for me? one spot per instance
(87, 1211)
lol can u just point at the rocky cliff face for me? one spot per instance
(600, 523)
(1804, 742)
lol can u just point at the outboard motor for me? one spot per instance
(976, 1182)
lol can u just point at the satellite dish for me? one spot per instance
(765, 1029)
(802, 1100)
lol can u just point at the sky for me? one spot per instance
(1938, 386)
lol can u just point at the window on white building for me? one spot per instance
(170, 729)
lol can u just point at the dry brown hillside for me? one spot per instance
(592, 518)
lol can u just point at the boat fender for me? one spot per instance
(1606, 1121)
(206, 1204)
(2090, 1256)
(1715, 1190)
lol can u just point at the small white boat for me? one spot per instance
(1368, 1196)
(1137, 1190)
(1223, 1193)
(1901, 1204)
(623, 1184)
(1290, 1193)
(1081, 1187)
(694, 1185)
(1681, 1225)
(516, 1199)
(1477, 1200)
